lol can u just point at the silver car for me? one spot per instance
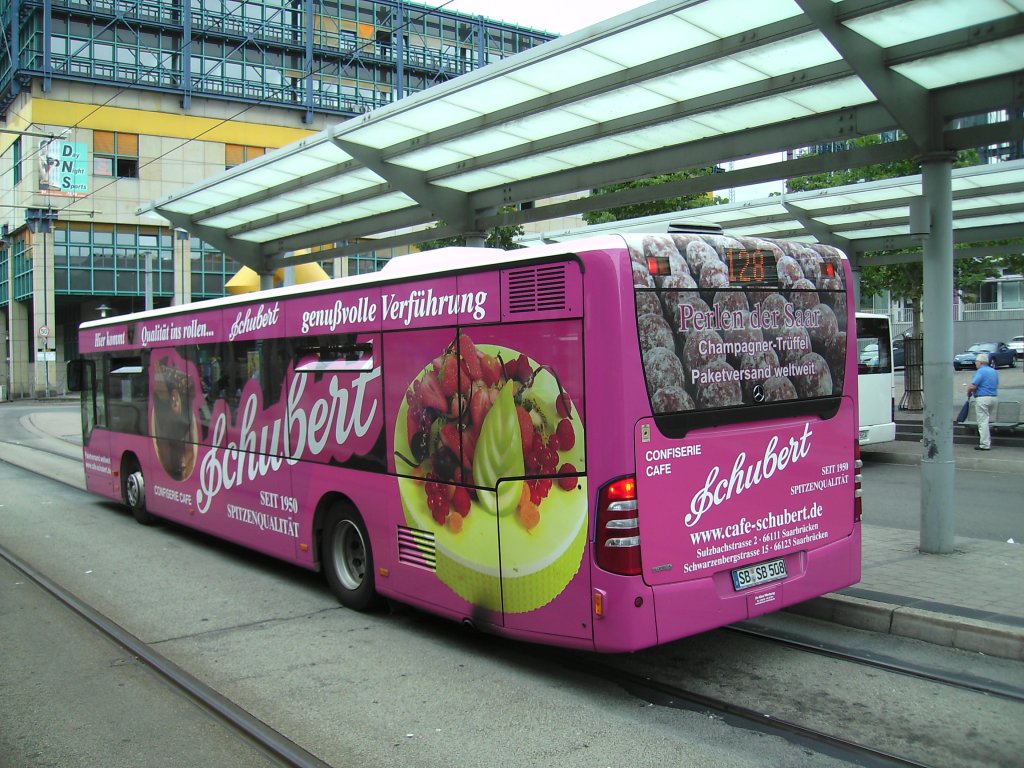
(1017, 345)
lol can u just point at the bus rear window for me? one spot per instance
(727, 323)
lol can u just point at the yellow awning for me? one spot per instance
(246, 280)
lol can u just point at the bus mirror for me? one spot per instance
(76, 375)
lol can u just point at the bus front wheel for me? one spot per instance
(133, 490)
(347, 559)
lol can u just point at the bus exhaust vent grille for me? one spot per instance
(537, 289)
(416, 547)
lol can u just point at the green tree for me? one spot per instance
(499, 237)
(856, 175)
(662, 205)
(905, 281)
(902, 281)
(969, 274)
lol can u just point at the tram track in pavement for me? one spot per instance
(74, 456)
(661, 693)
(273, 745)
(886, 738)
(648, 687)
(963, 682)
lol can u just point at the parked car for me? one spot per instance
(1017, 345)
(869, 356)
(897, 352)
(998, 354)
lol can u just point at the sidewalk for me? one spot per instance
(970, 599)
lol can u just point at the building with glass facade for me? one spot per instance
(108, 104)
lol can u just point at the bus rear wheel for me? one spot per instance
(133, 491)
(347, 559)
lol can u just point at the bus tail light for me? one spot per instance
(618, 528)
(857, 476)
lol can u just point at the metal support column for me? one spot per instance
(308, 60)
(856, 260)
(937, 466)
(148, 273)
(186, 55)
(398, 47)
(47, 41)
(40, 222)
(182, 268)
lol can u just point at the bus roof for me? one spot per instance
(399, 268)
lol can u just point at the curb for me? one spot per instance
(913, 458)
(889, 457)
(964, 634)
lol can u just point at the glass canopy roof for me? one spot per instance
(667, 86)
(988, 204)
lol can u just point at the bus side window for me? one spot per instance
(102, 374)
(128, 394)
(276, 356)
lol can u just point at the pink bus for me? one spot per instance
(607, 444)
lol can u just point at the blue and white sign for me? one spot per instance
(63, 167)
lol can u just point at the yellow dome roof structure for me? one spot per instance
(246, 280)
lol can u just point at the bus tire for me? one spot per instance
(347, 559)
(133, 491)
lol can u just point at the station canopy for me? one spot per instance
(666, 87)
(872, 217)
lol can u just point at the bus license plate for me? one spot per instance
(752, 575)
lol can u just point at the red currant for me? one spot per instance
(548, 459)
(438, 508)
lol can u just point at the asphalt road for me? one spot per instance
(404, 688)
(988, 504)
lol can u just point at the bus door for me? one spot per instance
(447, 530)
(542, 508)
(477, 413)
(84, 377)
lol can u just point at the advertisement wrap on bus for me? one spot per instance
(607, 444)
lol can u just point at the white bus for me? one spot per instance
(875, 379)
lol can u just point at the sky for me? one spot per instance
(558, 16)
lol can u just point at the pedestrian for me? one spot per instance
(985, 387)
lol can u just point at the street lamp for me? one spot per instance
(40, 221)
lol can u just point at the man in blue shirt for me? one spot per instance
(984, 386)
